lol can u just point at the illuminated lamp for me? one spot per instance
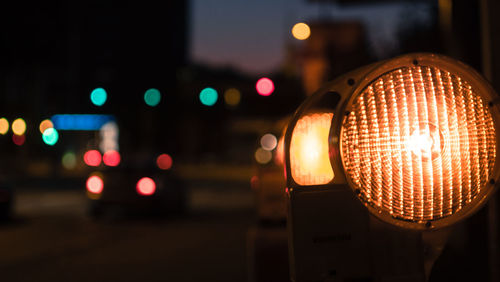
(385, 160)
(18, 139)
(164, 161)
(146, 186)
(98, 96)
(111, 158)
(95, 184)
(208, 96)
(301, 31)
(45, 124)
(264, 86)
(19, 126)
(4, 126)
(92, 158)
(50, 136)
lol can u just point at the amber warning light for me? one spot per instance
(412, 141)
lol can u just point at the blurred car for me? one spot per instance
(136, 186)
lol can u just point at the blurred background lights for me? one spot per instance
(19, 126)
(164, 161)
(232, 97)
(4, 126)
(146, 186)
(69, 160)
(208, 96)
(98, 96)
(92, 158)
(18, 139)
(111, 158)
(80, 122)
(109, 134)
(50, 136)
(45, 124)
(95, 184)
(152, 97)
(268, 142)
(264, 86)
(263, 156)
(301, 31)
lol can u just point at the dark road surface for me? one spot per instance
(52, 239)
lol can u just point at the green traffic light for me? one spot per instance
(208, 96)
(98, 96)
(152, 97)
(50, 136)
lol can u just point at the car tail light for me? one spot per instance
(146, 186)
(95, 184)
(111, 158)
(92, 158)
(309, 160)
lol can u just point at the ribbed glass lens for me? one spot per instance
(419, 144)
(309, 159)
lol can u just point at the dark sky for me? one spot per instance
(251, 35)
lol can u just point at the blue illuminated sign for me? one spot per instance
(80, 122)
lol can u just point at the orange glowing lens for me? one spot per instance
(419, 144)
(309, 158)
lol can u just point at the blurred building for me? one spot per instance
(333, 48)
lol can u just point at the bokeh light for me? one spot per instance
(264, 86)
(92, 158)
(164, 161)
(18, 139)
(45, 124)
(95, 184)
(263, 156)
(98, 96)
(268, 142)
(301, 31)
(152, 97)
(50, 136)
(146, 186)
(4, 126)
(19, 126)
(208, 96)
(69, 160)
(111, 158)
(232, 97)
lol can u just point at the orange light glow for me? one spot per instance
(4, 126)
(279, 157)
(19, 126)
(95, 184)
(301, 31)
(45, 124)
(146, 186)
(263, 156)
(419, 144)
(309, 158)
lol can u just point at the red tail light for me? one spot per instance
(146, 186)
(95, 184)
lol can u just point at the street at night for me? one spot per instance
(52, 236)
